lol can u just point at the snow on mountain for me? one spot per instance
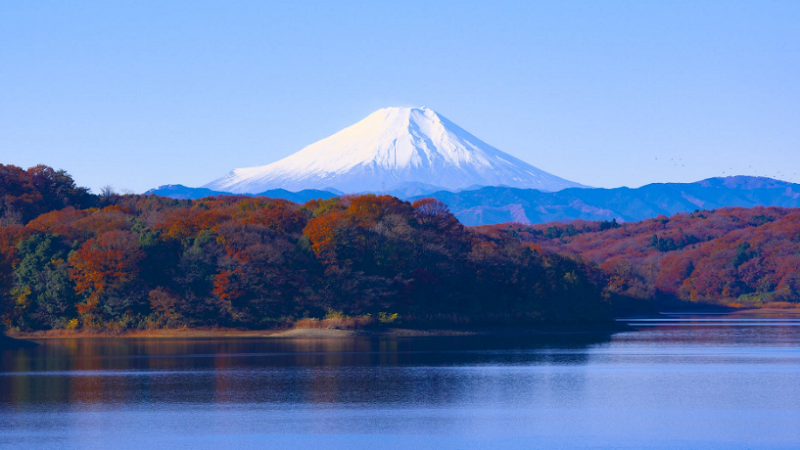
(393, 147)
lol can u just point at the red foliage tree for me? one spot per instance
(103, 264)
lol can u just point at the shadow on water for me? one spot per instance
(293, 371)
(8, 343)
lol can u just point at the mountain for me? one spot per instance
(389, 148)
(492, 205)
(182, 192)
(498, 204)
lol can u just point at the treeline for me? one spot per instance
(740, 257)
(25, 194)
(70, 259)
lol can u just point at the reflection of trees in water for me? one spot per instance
(710, 330)
(400, 371)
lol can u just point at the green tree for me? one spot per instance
(42, 287)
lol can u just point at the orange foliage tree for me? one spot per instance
(103, 267)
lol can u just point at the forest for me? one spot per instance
(73, 260)
(70, 259)
(735, 257)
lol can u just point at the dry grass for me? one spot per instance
(767, 305)
(781, 305)
(337, 323)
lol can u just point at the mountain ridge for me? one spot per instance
(179, 191)
(497, 204)
(492, 205)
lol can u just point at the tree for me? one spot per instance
(105, 272)
(43, 290)
(25, 194)
(10, 235)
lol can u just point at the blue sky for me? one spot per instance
(138, 94)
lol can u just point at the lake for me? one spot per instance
(677, 382)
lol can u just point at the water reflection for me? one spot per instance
(689, 384)
(397, 370)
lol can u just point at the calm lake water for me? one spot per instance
(683, 382)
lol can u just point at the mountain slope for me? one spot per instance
(729, 256)
(491, 205)
(393, 147)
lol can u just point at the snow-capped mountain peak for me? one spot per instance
(390, 147)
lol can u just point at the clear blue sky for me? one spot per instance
(138, 94)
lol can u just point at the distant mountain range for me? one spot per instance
(492, 205)
(393, 149)
(182, 192)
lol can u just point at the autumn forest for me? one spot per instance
(70, 259)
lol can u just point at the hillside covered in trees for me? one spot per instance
(69, 259)
(740, 257)
(73, 260)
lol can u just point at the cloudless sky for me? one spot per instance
(137, 94)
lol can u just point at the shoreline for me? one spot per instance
(322, 333)
(16, 339)
(732, 312)
(768, 311)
